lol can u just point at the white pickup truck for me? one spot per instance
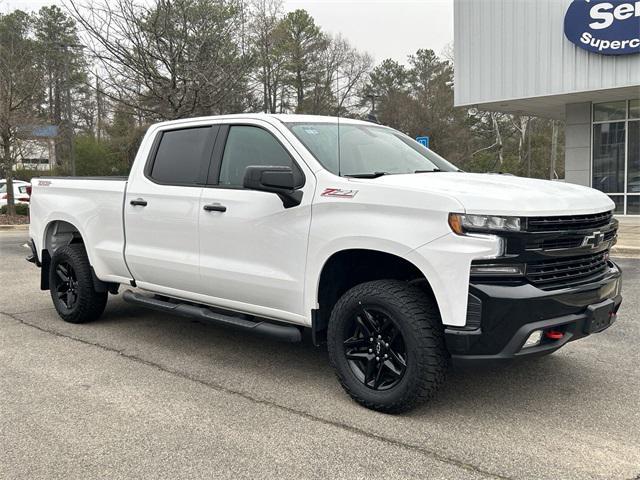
(395, 258)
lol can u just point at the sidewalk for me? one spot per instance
(23, 227)
(628, 236)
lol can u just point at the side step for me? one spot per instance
(287, 333)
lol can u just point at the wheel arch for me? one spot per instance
(346, 268)
(58, 234)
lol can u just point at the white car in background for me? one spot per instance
(21, 192)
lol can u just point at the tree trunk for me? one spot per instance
(57, 121)
(523, 130)
(300, 88)
(496, 126)
(99, 110)
(8, 164)
(554, 149)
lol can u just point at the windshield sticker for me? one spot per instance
(337, 192)
(311, 131)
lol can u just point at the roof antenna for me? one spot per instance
(338, 100)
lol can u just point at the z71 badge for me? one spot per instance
(337, 192)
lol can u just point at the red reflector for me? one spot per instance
(553, 334)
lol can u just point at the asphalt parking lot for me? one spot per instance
(139, 394)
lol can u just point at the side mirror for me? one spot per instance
(278, 180)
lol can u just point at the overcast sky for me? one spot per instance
(384, 28)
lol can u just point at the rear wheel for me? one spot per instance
(386, 343)
(71, 286)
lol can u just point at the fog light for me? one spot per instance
(487, 270)
(534, 339)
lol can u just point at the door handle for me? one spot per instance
(138, 202)
(214, 207)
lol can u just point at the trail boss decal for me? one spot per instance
(336, 192)
(608, 28)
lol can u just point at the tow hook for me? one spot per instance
(554, 334)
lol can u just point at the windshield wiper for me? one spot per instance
(367, 175)
(428, 171)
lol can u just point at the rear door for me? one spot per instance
(162, 206)
(253, 252)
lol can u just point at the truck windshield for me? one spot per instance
(367, 150)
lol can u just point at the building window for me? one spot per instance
(634, 109)
(604, 112)
(616, 153)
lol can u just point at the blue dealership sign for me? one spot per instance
(423, 141)
(608, 28)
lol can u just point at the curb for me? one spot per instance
(14, 227)
(625, 250)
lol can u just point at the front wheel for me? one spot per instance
(71, 286)
(386, 343)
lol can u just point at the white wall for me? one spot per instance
(511, 49)
(578, 143)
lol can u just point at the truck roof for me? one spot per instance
(285, 118)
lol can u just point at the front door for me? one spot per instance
(161, 210)
(252, 248)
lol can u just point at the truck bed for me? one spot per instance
(93, 205)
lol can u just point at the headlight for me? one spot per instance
(462, 223)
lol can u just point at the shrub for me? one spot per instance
(21, 209)
(95, 158)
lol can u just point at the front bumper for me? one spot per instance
(510, 313)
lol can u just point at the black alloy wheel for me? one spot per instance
(385, 341)
(66, 285)
(375, 349)
(71, 282)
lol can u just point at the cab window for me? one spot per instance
(250, 146)
(182, 156)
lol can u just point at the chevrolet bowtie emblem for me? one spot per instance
(593, 240)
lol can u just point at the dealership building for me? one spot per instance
(577, 61)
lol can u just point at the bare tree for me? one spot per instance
(268, 39)
(351, 70)
(338, 83)
(521, 124)
(169, 59)
(20, 88)
(498, 145)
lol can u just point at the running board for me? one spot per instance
(287, 333)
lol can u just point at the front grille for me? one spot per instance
(567, 271)
(571, 222)
(564, 242)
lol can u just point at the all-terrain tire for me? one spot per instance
(88, 304)
(415, 314)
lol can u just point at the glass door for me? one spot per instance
(616, 153)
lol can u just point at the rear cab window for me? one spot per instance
(182, 156)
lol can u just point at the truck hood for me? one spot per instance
(505, 194)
